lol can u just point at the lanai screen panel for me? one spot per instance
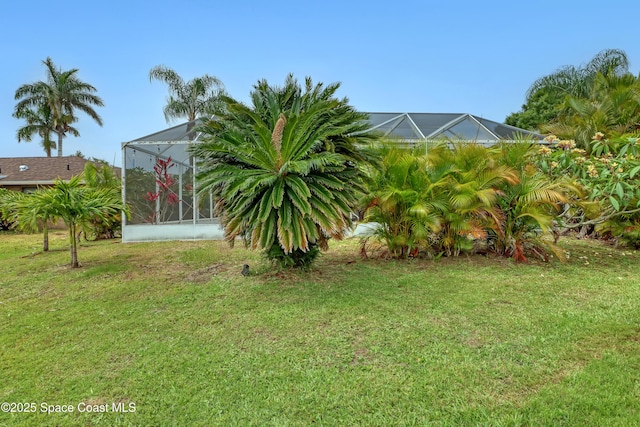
(159, 179)
(467, 130)
(429, 123)
(159, 184)
(507, 132)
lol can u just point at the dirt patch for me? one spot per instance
(204, 275)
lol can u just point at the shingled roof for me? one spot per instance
(34, 171)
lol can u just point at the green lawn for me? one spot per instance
(175, 330)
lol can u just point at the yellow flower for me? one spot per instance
(551, 138)
(567, 144)
(544, 150)
(598, 136)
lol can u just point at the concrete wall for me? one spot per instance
(159, 232)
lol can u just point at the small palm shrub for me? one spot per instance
(399, 200)
(470, 179)
(441, 203)
(102, 177)
(8, 199)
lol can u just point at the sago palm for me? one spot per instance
(285, 172)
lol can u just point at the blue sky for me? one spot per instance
(404, 56)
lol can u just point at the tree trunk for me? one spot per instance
(60, 135)
(45, 232)
(73, 246)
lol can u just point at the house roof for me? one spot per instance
(39, 170)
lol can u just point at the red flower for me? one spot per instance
(152, 197)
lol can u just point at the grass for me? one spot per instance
(176, 330)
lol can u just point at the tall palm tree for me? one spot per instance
(286, 171)
(192, 99)
(577, 81)
(39, 121)
(63, 93)
(545, 96)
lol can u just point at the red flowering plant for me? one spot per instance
(164, 198)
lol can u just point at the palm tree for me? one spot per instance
(62, 94)
(39, 121)
(36, 210)
(8, 201)
(286, 171)
(101, 177)
(577, 81)
(197, 97)
(468, 178)
(399, 199)
(545, 96)
(611, 106)
(77, 205)
(528, 207)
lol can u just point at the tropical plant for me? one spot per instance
(100, 176)
(529, 209)
(165, 197)
(77, 204)
(540, 108)
(8, 199)
(399, 201)
(470, 178)
(610, 177)
(40, 122)
(545, 96)
(612, 106)
(35, 211)
(197, 97)
(577, 81)
(60, 96)
(443, 202)
(286, 171)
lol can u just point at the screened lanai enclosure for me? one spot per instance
(415, 128)
(160, 188)
(159, 172)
